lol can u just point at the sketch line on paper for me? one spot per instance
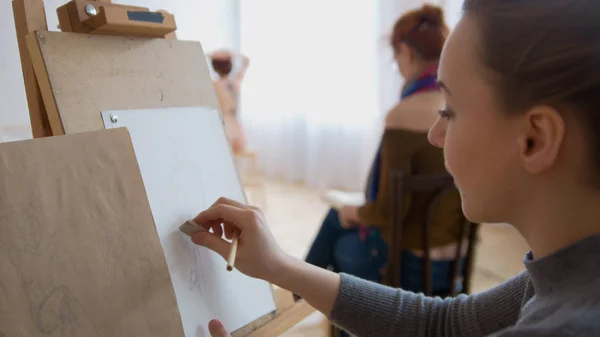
(52, 310)
(32, 249)
(196, 273)
(58, 310)
(183, 169)
(30, 228)
(117, 255)
(210, 285)
(55, 295)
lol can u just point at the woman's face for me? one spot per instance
(480, 141)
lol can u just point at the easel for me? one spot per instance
(104, 18)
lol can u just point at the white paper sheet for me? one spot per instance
(186, 165)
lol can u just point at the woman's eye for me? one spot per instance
(445, 113)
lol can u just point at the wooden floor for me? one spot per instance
(294, 213)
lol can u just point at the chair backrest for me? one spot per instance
(438, 185)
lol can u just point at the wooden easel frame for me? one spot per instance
(30, 18)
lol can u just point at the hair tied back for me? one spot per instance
(431, 16)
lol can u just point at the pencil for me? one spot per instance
(232, 253)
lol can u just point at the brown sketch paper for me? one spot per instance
(79, 252)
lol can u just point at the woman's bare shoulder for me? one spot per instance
(416, 113)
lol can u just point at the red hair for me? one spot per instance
(423, 29)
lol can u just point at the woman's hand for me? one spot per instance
(217, 329)
(258, 255)
(349, 216)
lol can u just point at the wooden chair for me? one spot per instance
(438, 184)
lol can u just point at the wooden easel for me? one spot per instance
(103, 17)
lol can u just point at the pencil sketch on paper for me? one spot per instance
(54, 309)
(35, 247)
(202, 265)
(189, 180)
(59, 311)
(185, 161)
(196, 272)
(209, 265)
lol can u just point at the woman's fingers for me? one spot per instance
(216, 329)
(226, 216)
(218, 230)
(240, 217)
(230, 202)
(230, 230)
(212, 242)
(211, 224)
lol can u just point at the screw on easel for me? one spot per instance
(90, 10)
(114, 118)
(41, 37)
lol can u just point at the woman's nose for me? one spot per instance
(437, 133)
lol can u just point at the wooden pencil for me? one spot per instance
(232, 253)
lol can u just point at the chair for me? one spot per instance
(439, 184)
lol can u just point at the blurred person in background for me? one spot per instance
(227, 86)
(356, 239)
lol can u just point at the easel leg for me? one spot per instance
(29, 17)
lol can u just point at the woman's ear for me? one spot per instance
(401, 48)
(542, 137)
(408, 51)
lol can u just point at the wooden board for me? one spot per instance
(79, 252)
(81, 75)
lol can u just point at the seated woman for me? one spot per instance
(227, 88)
(356, 239)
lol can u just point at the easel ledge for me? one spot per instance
(289, 313)
(30, 18)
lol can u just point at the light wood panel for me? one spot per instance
(81, 75)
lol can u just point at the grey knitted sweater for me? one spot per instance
(558, 295)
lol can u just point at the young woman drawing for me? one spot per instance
(520, 131)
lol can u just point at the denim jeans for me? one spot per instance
(343, 251)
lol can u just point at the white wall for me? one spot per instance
(453, 9)
(212, 22)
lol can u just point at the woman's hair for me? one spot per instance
(423, 29)
(543, 52)
(222, 66)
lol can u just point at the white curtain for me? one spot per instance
(310, 101)
(319, 84)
